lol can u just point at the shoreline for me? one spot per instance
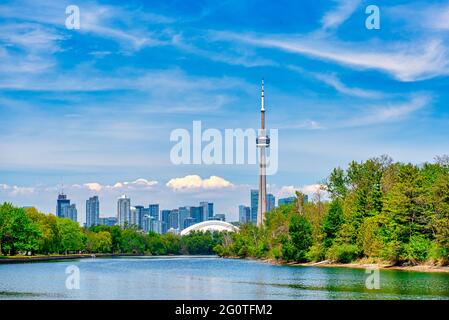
(29, 259)
(327, 264)
(362, 265)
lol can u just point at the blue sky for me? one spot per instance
(94, 107)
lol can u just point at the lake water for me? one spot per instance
(209, 278)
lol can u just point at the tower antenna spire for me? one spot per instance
(262, 105)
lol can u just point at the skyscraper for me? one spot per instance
(133, 215)
(124, 211)
(262, 142)
(147, 222)
(205, 206)
(244, 214)
(254, 205)
(271, 202)
(60, 204)
(174, 219)
(165, 219)
(70, 212)
(154, 211)
(140, 212)
(188, 222)
(92, 211)
(197, 214)
(210, 210)
(184, 213)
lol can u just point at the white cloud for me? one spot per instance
(336, 16)
(288, 191)
(405, 61)
(333, 81)
(311, 188)
(16, 190)
(94, 186)
(438, 18)
(138, 183)
(382, 114)
(118, 185)
(307, 125)
(190, 182)
(427, 16)
(142, 182)
(4, 186)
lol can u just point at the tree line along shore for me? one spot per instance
(378, 212)
(374, 212)
(27, 232)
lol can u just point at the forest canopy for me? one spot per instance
(378, 210)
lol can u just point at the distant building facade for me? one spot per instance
(70, 212)
(165, 220)
(288, 200)
(174, 219)
(61, 203)
(244, 214)
(271, 202)
(219, 217)
(184, 213)
(210, 210)
(107, 221)
(139, 215)
(254, 199)
(197, 214)
(124, 211)
(64, 209)
(154, 210)
(92, 211)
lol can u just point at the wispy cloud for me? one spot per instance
(306, 125)
(405, 61)
(336, 16)
(427, 16)
(393, 112)
(127, 26)
(332, 80)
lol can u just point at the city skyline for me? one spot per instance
(94, 107)
(135, 214)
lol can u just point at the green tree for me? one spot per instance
(98, 242)
(155, 244)
(300, 234)
(132, 241)
(17, 232)
(332, 223)
(72, 238)
(49, 240)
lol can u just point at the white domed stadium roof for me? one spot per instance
(210, 225)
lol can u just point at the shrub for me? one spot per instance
(316, 253)
(416, 250)
(391, 251)
(343, 253)
(438, 254)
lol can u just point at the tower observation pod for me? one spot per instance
(262, 142)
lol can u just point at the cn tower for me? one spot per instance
(262, 142)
